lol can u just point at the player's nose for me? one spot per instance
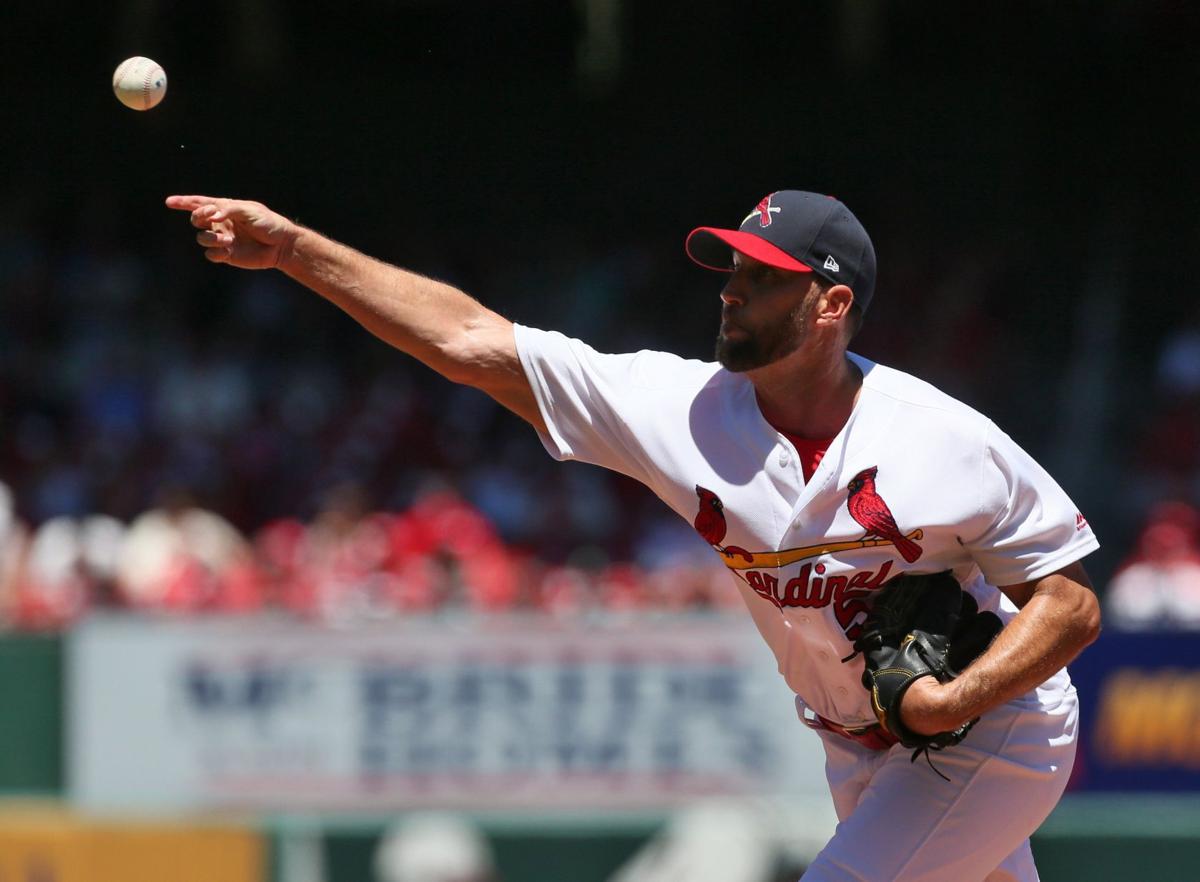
(731, 294)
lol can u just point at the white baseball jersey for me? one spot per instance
(915, 481)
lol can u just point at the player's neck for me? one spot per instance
(810, 395)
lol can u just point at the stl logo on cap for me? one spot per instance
(763, 210)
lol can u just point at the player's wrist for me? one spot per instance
(927, 707)
(290, 249)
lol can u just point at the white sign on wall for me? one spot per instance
(476, 714)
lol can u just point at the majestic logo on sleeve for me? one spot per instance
(868, 508)
(764, 210)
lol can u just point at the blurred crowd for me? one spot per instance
(173, 446)
(177, 438)
(1157, 585)
(349, 565)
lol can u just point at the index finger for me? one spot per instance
(191, 203)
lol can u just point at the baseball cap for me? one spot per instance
(799, 231)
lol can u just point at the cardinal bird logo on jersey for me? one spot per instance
(710, 522)
(868, 508)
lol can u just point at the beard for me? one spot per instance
(759, 348)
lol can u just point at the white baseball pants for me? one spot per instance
(900, 822)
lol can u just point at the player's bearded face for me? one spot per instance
(762, 323)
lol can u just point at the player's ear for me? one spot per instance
(833, 308)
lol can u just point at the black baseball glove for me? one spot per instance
(920, 626)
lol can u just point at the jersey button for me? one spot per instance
(803, 620)
(783, 458)
(842, 691)
(823, 655)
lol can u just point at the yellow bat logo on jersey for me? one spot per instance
(737, 559)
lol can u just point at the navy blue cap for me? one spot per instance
(799, 231)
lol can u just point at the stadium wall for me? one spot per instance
(1095, 835)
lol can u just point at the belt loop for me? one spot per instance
(803, 711)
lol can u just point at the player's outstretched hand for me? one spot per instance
(245, 234)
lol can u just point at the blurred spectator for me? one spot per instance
(1165, 462)
(204, 395)
(621, 587)
(1179, 360)
(70, 568)
(680, 572)
(566, 591)
(180, 557)
(434, 847)
(1172, 444)
(1159, 586)
(691, 585)
(340, 572)
(278, 546)
(101, 538)
(14, 541)
(459, 551)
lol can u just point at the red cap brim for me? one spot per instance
(704, 246)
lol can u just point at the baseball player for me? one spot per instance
(817, 476)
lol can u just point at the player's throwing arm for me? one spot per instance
(436, 323)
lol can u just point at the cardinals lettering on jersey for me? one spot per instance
(872, 513)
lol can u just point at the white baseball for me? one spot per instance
(139, 83)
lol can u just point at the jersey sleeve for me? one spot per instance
(598, 408)
(1027, 527)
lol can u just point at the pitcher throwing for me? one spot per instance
(817, 476)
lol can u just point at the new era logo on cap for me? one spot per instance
(798, 231)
